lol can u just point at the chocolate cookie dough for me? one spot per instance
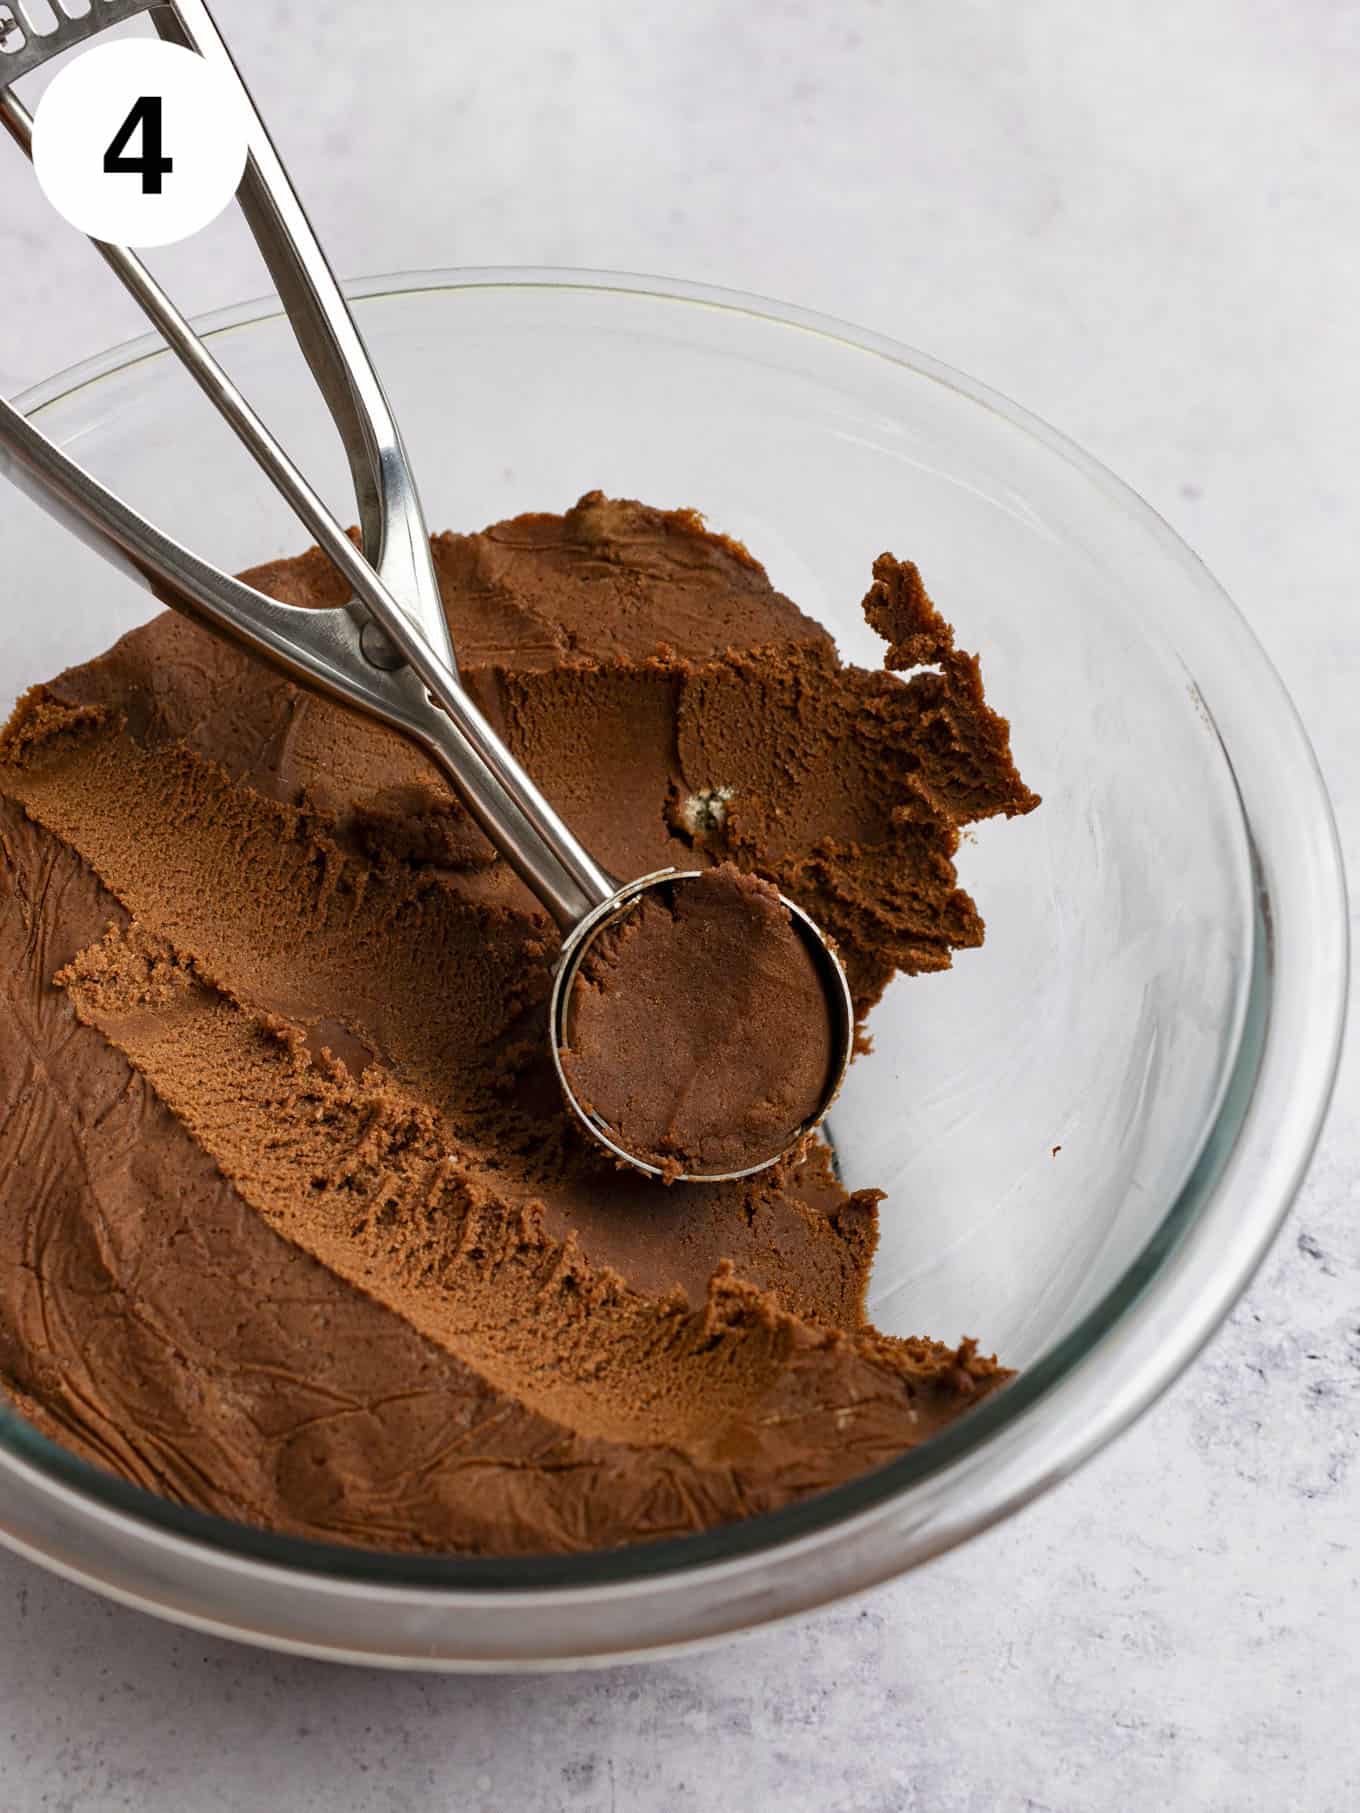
(294, 1226)
(699, 1029)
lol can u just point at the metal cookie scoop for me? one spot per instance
(388, 650)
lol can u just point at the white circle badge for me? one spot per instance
(139, 142)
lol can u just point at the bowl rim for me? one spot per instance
(1124, 1352)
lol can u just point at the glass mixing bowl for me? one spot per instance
(1088, 1130)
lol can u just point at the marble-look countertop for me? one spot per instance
(1144, 223)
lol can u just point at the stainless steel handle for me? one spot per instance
(406, 674)
(394, 532)
(391, 519)
(323, 649)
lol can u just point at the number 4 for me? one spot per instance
(151, 165)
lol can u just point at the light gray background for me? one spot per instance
(1142, 221)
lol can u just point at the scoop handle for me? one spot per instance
(391, 519)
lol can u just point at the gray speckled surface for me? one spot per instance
(1144, 223)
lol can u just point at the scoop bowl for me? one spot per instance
(577, 947)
